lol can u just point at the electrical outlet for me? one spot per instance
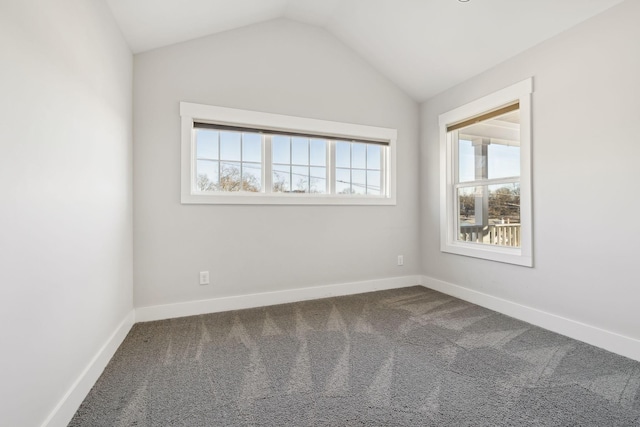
(400, 259)
(204, 277)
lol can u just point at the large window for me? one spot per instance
(236, 157)
(486, 182)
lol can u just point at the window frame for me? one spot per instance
(518, 92)
(337, 131)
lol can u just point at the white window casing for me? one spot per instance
(276, 123)
(449, 177)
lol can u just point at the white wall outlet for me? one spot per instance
(400, 259)
(204, 277)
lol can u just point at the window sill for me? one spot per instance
(284, 199)
(489, 252)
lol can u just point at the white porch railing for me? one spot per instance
(495, 234)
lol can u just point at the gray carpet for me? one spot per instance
(407, 357)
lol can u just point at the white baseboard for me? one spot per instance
(192, 308)
(616, 343)
(70, 402)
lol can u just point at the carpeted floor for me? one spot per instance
(407, 357)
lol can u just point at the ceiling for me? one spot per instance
(423, 46)
(503, 130)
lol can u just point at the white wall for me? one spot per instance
(586, 153)
(277, 67)
(65, 197)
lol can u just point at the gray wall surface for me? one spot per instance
(586, 104)
(66, 200)
(276, 67)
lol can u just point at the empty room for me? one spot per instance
(319, 213)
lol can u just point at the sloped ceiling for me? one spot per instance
(423, 46)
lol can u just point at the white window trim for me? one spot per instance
(191, 112)
(448, 243)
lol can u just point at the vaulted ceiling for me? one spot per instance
(423, 46)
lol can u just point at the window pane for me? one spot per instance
(300, 179)
(343, 181)
(281, 179)
(466, 206)
(300, 151)
(206, 175)
(358, 155)
(230, 146)
(374, 159)
(466, 161)
(251, 147)
(373, 182)
(504, 203)
(318, 152)
(230, 176)
(281, 149)
(206, 144)
(490, 214)
(358, 181)
(490, 149)
(343, 154)
(318, 181)
(504, 161)
(251, 177)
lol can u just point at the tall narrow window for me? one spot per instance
(486, 210)
(488, 180)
